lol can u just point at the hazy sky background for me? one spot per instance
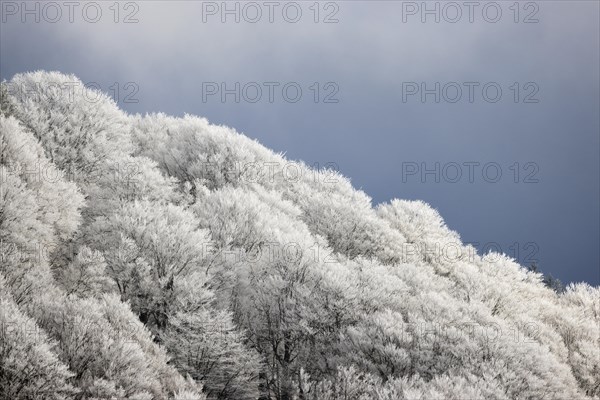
(371, 133)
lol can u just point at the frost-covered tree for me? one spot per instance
(80, 129)
(150, 250)
(39, 216)
(29, 365)
(39, 211)
(209, 348)
(193, 151)
(6, 107)
(85, 275)
(161, 268)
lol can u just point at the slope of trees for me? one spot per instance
(152, 257)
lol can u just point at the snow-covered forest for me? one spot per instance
(153, 257)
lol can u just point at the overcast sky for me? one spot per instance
(362, 76)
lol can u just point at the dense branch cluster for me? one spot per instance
(153, 257)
